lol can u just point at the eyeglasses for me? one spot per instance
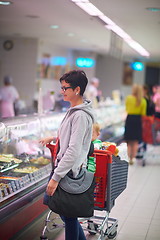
(65, 88)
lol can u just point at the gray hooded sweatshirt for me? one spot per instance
(74, 135)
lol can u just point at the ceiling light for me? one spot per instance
(84, 1)
(152, 9)
(93, 11)
(84, 40)
(54, 26)
(32, 16)
(89, 8)
(106, 20)
(71, 34)
(5, 3)
(136, 46)
(119, 31)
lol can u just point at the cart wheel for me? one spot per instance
(94, 228)
(43, 238)
(144, 163)
(54, 222)
(111, 236)
(51, 227)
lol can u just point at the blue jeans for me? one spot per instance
(73, 229)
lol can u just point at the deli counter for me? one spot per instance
(25, 165)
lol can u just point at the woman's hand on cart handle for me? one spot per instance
(46, 140)
(51, 187)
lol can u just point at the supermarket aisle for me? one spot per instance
(137, 208)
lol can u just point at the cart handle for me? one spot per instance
(102, 152)
(96, 151)
(51, 148)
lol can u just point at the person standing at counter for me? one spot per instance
(74, 136)
(93, 93)
(135, 108)
(8, 96)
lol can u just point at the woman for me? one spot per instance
(135, 108)
(8, 96)
(150, 104)
(156, 100)
(74, 136)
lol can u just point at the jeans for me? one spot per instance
(73, 229)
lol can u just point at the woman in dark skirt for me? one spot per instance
(135, 108)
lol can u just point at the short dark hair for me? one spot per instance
(76, 78)
(7, 80)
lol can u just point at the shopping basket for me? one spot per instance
(151, 130)
(111, 180)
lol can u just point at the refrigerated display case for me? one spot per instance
(25, 165)
(24, 171)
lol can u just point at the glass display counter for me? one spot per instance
(25, 165)
(24, 172)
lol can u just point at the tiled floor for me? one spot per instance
(137, 208)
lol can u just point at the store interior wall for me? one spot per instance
(138, 77)
(47, 47)
(109, 71)
(20, 64)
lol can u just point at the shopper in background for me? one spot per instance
(154, 90)
(135, 108)
(150, 110)
(156, 100)
(93, 93)
(74, 136)
(8, 96)
(150, 104)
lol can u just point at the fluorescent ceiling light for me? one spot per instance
(71, 34)
(89, 8)
(119, 31)
(152, 9)
(84, 1)
(54, 26)
(5, 3)
(84, 40)
(136, 46)
(106, 20)
(93, 11)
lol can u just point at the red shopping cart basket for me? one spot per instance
(151, 130)
(111, 179)
(103, 159)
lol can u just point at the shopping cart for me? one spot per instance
(111, 180)
(151, 130)
(151, 137)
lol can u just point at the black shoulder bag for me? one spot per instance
(74, 197)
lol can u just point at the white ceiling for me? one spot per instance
(142, 25)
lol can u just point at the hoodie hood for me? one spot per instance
(86, 106)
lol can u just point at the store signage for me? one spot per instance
(85, 62)
(58, 61)
(138, 66)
